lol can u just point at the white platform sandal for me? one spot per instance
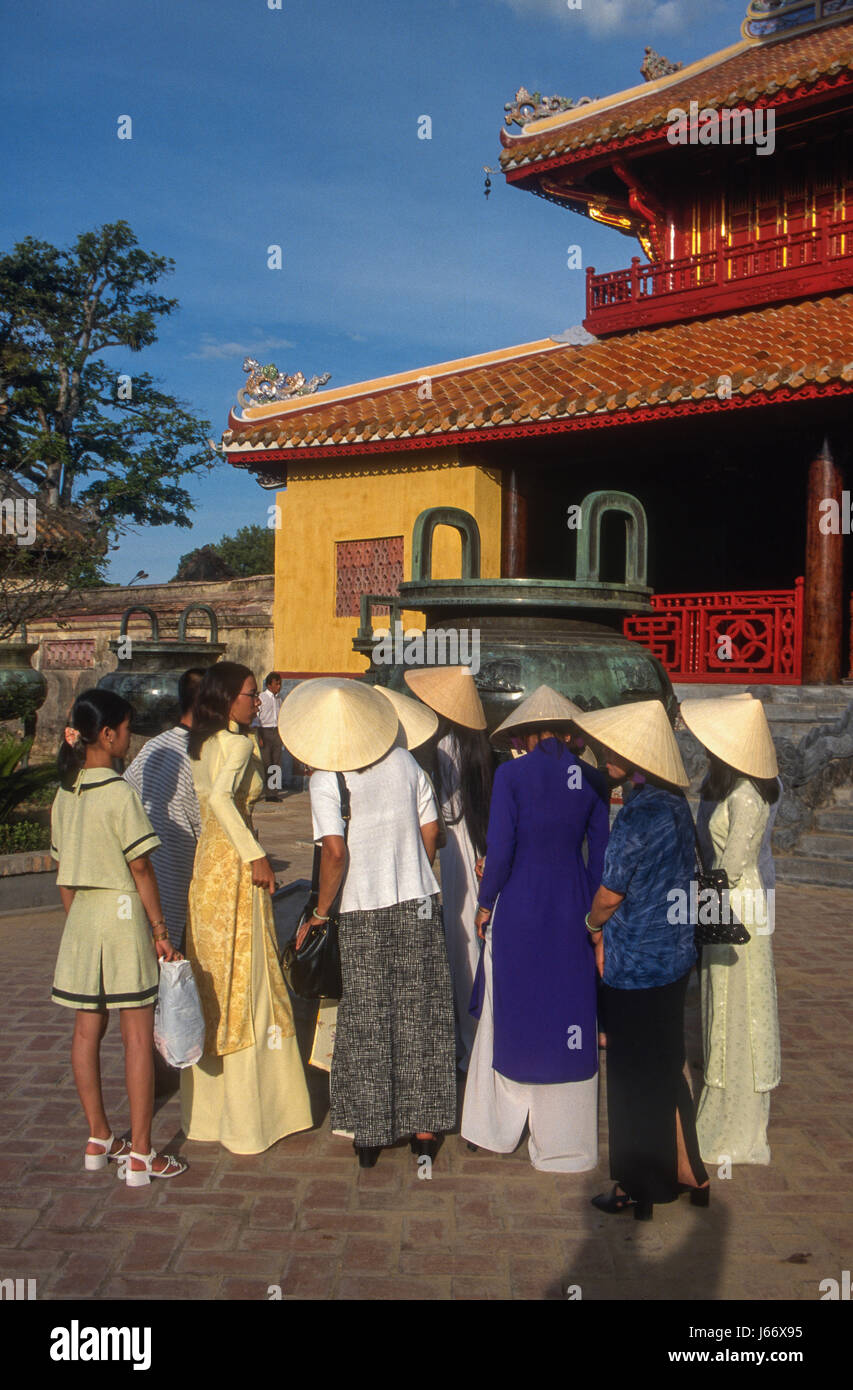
(93, 1163)
(141, 1177)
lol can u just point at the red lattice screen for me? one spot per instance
(366, 567)
(748, 635)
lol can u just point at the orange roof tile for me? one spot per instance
(757, 71)
(54, 526)
(771, 351)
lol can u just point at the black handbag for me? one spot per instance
(314, 970)
(724, 929)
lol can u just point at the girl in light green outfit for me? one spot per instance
(107, 959)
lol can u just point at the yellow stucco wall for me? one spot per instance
(359, 499)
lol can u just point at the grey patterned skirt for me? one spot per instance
(394, 1068)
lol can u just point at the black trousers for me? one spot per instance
(646, 1087)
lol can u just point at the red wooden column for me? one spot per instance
(822, 596)
(513, 526)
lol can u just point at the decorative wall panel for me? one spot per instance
(58, 654)
(366, 567)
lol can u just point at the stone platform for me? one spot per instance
(304, 1218)
(792, 710)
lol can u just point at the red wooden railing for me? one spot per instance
(804, 262)
(752, 636)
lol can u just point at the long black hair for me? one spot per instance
(188, 684)
(476, 774)
(93, 711)
(218, 689)
(722, 777)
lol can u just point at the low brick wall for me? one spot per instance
(74, 650)
(28, 880)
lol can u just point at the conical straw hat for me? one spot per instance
(641, 734)
(337, 725)
(417, 721)
(543, 709)
(449, 690)
(741, 695)
(735, 731)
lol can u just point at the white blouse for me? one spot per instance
(389, 802)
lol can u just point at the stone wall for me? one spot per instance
(74, 651)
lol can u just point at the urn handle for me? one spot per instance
(422, 537)
(198, 608)
(593, 509)
(149, 613)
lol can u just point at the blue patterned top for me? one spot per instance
(650, 853)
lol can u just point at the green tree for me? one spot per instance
(250, 551)
(69, 423)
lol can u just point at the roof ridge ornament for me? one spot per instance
(532, 106)
(265, 384)
(655, 65)
(770, 19)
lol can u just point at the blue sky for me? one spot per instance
(298, 126)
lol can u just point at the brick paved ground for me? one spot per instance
(484, 1227)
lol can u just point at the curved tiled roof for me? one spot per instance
(54, 525)
(743, 74)
(767, 353)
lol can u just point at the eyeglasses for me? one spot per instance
(248, 695)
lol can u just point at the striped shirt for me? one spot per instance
(162, 774)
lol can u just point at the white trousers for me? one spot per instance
(459, 900)
(563, 1118)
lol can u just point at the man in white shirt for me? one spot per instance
(268, 735)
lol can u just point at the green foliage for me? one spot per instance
(22, 784)
(23, 837)
(250, 551)
(67, 426)
(12, 750)
(45, 792)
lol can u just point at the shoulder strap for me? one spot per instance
(700, 858)
(343, 792)
(315, 872)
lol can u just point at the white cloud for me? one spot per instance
(213, 350)
(603, 17)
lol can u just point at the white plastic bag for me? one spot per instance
(178, 1019)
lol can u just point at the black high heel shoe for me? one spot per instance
(425, 1148)
(699, 1196)
(367, 1156)
(613, 1202)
